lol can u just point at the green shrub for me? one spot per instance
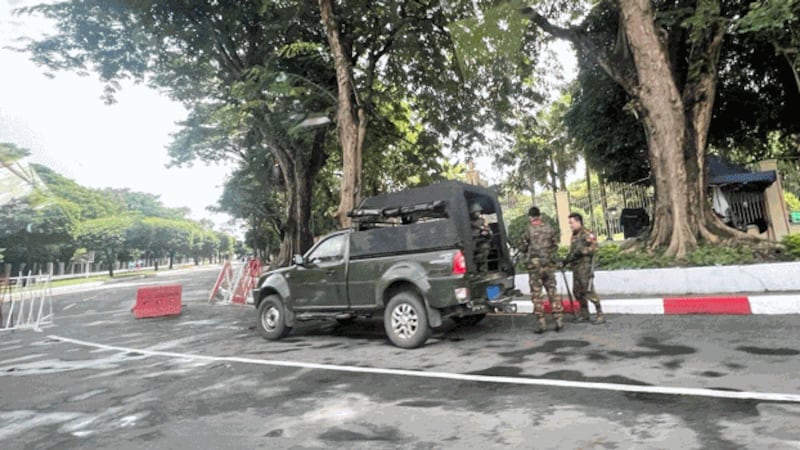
(792, 244)
(792, 202)
(716, 255)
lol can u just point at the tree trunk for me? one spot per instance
(664, 123)
(351, 119)
(589, 192)
(111, 259)
(298, 176)
(676, 126)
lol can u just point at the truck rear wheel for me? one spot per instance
(406, 320)
(271, 322)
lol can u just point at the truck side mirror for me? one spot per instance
(298, 260)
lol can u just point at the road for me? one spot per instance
(206, 380)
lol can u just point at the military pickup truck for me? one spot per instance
(410, 257)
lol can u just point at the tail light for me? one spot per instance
(459, 263)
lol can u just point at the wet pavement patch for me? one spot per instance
(672, 364)
(275, 433)
(499, 371)
(574, 375)
(548, 347)
(768, 351)
(712, 374)
(735, 366)
(656, 349)
(378, 433)
(421, 404)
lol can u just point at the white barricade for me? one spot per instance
(29, 300)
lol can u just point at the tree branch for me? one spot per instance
(585, 46)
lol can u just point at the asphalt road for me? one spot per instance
(190, 394)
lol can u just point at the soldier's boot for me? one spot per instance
(584, 315)
(559, 323)
(542, 326)
(600, 318)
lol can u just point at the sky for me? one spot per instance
(68, 127)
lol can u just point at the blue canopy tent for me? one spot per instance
(723, 173)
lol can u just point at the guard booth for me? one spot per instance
(751, 201)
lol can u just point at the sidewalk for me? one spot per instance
(784, 303)
(748, 289)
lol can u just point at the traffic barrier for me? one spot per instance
(247, 281)
(30, 302)
(224, 282)
(157, 301)
(235, 287)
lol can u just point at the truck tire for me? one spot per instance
(271, 321)
(469, 321)
(406, 320)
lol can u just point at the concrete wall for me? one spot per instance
(774, 277)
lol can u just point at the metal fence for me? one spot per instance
(603, 208)
(747, 208)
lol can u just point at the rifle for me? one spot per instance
(569, 293)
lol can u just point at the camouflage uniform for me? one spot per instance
(482, 237)
(540, 245)
(581, 254)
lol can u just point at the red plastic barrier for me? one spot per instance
(567, 306)
(707, 305)
(157, 301)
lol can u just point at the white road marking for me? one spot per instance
(665, 390)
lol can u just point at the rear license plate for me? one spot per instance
(492, 292)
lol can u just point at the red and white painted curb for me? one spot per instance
(733, 305)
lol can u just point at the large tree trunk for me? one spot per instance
(664, 123)
(351, 119)
(676, 127)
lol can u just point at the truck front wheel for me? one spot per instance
(406, 320)
(272, 318)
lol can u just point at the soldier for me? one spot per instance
(540, 244)
(580, 257)
(482, 236)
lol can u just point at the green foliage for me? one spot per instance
(92, 203)
(755, 93)
(10, 153)
(612, 257)
(60, 220)
(792, 244)
(792, 202)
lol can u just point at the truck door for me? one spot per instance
(320, 283)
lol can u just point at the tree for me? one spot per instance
(753, 117)
(242, 69)
(542, 152)
(670, 70)
(106, 235)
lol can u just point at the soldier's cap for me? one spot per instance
(475, 207)
(534, 212)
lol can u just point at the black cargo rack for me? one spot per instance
(408, 213)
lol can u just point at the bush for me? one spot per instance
(792, 244)
(715, 255)
(792, 202)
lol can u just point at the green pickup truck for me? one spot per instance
(410, 258)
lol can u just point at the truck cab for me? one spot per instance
(410, 258)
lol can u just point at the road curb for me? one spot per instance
(727, 305)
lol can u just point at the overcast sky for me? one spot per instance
(66, 125)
